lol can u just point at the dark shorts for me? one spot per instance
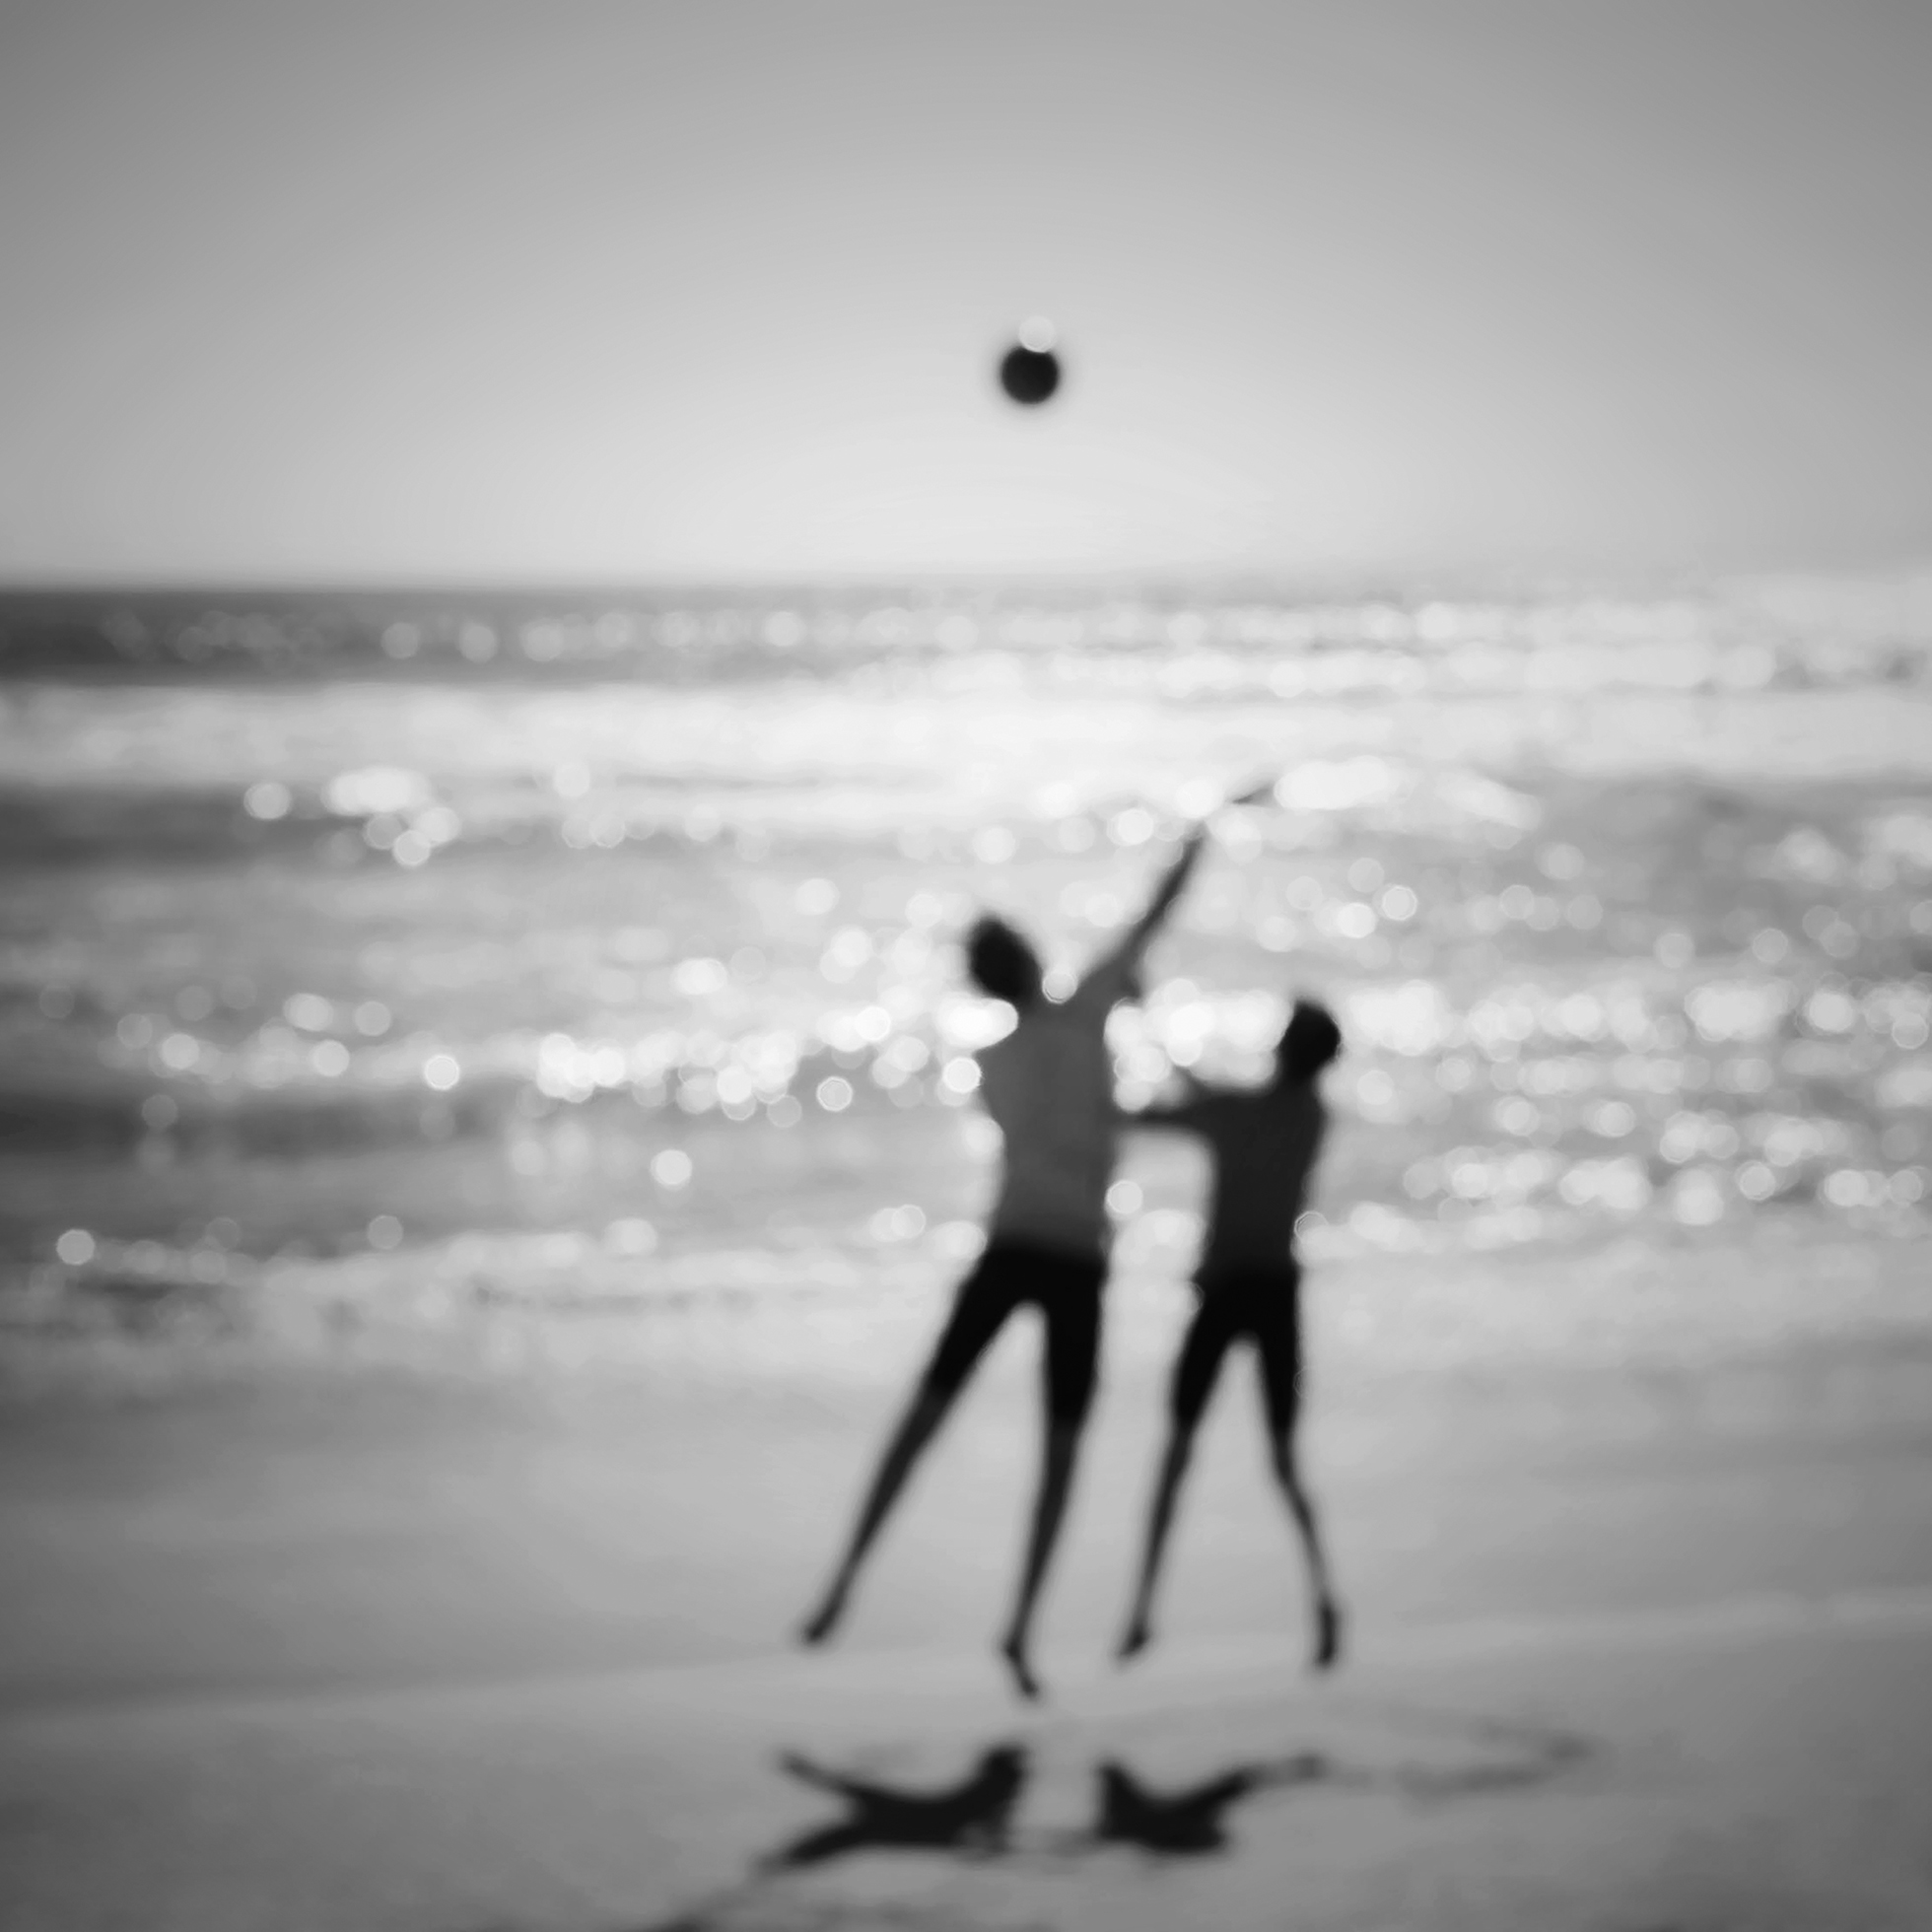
(1262, 1303)
(1066, 1290)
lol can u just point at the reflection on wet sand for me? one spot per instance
(1176, 1824)
(975, 1818)
(970, 1817)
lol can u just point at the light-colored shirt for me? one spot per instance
(1049, 1086)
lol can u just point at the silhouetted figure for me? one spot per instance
(973, 1815)
(1186, 1822)
(1264, 1143)
(1049, 1085)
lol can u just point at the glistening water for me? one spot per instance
(450, 953)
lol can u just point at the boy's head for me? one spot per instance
(1309, 1041)
(1001, 964)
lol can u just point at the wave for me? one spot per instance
(1739, 635)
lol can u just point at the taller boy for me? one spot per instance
(1049, 1086)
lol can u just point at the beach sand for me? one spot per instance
(438, 1631)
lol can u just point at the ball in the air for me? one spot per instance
(1029, 371)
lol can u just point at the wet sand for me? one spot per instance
(1734, 1769)
(420, 1639)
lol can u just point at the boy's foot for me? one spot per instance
(821, 1625)
(1328, 1636)
(1014, 1650)
(1134, 1640)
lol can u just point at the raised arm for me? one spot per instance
(798, 1766)
(1172, 883)
(1112, 970)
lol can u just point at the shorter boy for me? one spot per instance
(1264, 1143)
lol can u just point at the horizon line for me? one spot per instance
(1357, 583)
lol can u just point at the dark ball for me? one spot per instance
(1029, 375)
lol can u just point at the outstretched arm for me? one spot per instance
(858, 1790)
(796, 1764)
(1114, 968)
(1172, 883)
(1183, 1111)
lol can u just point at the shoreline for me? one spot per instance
(1635, 1296)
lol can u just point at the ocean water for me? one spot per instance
(599, 953)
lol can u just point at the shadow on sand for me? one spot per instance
(975, 1818)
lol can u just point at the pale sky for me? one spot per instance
(408, 290)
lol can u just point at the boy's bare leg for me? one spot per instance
(1197, 1369)
(1160, 1517)
(1063, 1441)
(1326, 1612)
(909, 1440)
